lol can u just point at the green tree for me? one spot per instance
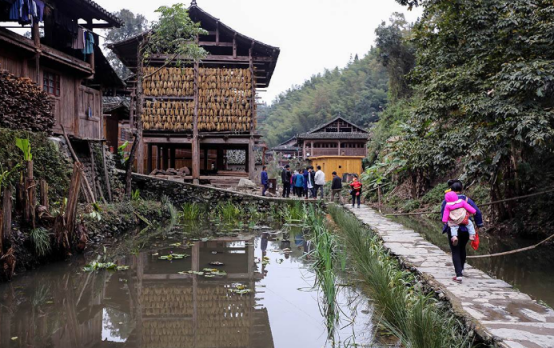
(357, 92)
(485, 83)
(133, 25)
(396, 53)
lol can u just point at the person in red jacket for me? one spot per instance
(356, 191)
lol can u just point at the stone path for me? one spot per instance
(497, 310)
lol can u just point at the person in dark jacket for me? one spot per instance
(264, 180)
(286, 177)
(336, 188)
(459, 250)
(306, 175)
(298, 183)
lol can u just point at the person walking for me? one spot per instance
(299, 184)
(294, 174)
(319, 180)
(285, 179)
(312, 182)
(336, 188)
(306, 176)
(458, 245)
(264, 180)
(356, 191)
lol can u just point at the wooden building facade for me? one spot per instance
(337, 145)
(194, 113)
(74, 80)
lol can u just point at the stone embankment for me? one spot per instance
(179, 192)
(496, 311)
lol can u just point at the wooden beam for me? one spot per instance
(215, 43)
(215, 141)
(195, 142)
(235, 46)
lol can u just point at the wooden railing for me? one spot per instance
(337, 152)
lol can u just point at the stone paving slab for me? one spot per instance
(498, 311)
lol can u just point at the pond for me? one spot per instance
(261, 295)
(529, 271)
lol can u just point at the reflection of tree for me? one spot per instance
(118, 323)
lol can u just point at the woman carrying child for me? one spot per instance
(459, 234)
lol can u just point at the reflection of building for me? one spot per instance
(150, 305)
(337, 145)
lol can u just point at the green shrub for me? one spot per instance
(41, 241)
(435, 195)
(410, 205)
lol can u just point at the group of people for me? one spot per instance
(307, 183)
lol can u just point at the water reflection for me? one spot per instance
(152, 305)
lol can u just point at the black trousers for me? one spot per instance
(354, 199)
(286, 189)
(264, 189)
(459, 251)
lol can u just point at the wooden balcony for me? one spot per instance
(317, 152)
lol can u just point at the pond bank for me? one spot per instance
(497, 312)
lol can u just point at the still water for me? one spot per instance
(152, 305)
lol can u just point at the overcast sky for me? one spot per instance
(312, 34)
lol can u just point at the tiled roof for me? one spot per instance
(109, 17)
(112, 103)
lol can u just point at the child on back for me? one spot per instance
(456, 213)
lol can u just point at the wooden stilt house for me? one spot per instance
(195, 127)
(61, 56)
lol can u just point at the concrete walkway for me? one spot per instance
(497, 311)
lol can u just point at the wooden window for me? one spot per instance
(51, 83)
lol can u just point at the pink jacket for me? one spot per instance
(460, 203)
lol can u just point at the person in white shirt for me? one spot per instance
(319, 181)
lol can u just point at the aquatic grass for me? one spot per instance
(229, 212)
(41, 241)
(326, 254)
(173, 214)
(417, 319)
(189, 212)
(295, 212)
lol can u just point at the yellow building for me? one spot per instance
(340, 164)
(337, 146)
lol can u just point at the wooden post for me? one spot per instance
(6, 227)
(30, 195)
(312, 149)
(140, 157)
(159, 157)
(338, 145)
(149, 163)
(379, 196)
(93, 168)
(36, 40)
(44, 194)
(195, 141)
(106, 176)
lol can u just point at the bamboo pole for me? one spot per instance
(73, 198)
(88, 191)
(30, 195)
(195, 143)
(44, 194)
(106, 176)
(93, 168)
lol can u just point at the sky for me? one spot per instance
(313, 35)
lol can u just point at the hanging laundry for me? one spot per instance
(40, 9)
(79, 41)
(89, 43)
(25, 12)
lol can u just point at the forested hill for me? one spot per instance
(356, 92)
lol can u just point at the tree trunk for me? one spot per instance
(73, 198)
(6, 227)
(30, 195)
(44, 194)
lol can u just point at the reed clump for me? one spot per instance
(417, 319)
(190, 212)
